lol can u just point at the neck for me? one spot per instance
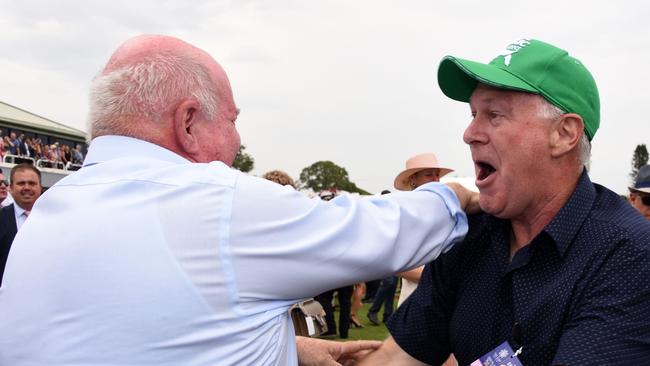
(527, 226)
(26, 208)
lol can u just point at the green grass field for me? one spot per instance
(369, 331)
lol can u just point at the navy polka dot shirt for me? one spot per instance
(578, 294)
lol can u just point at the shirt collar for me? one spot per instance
(562, 228)
(565, 225)
(18, 210)
(112, 147)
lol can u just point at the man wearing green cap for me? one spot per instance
(557, 269)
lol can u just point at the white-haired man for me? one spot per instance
(176, 259)
(557, 270)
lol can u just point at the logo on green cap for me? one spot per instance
(514, 48)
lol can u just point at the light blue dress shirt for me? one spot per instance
(176, 263)
(20, 215)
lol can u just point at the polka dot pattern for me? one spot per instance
(578, 294)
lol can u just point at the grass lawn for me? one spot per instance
(369, 331)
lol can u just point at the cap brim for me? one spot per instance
(639, 190)
(458, 78)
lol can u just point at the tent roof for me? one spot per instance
(21, 119)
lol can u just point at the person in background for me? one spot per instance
(420, 169)
(358, 294)
(385, 295)
(371, 291)
(640, 192)
(4, 191)
(77, 155)
(25, 187)
(3, 188)
(343, 295)
(56, 154)
(3, 147)
(280, 177)
(6, 146)
(13, 144)
(23, 147)
(66, 155)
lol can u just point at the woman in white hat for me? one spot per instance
(420, 169)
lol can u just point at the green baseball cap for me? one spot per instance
(531, 66)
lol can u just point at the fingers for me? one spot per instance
(468, 199)
(354, 351)
(319, 352)
(349, 348)
(473, 206)
(351, 358)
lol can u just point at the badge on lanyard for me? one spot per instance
(503, 355)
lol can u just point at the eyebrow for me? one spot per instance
(484, 100)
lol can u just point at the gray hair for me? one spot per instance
(145, 90)
(551, 112)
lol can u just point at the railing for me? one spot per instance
(16, 159)
(44, 163)
(72, 167)
(40, 163)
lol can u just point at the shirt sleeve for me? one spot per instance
(285, 245)
(611, 325)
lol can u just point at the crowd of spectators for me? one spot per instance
(55, 155)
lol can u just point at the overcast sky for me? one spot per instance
(348, 81)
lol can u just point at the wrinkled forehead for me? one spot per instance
(487, 95)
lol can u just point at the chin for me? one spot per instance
(489, 206)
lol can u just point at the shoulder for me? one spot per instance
(478, 226)
(613, 213)
(613, 224)
(8, 210)
(147, 170)
(459, 261)
(477, 238)
(6, 218)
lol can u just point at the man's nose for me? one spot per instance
(473, 133)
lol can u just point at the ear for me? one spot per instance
(186, 116)
(566, 134)
(412, 181)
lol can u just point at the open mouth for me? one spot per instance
(484, 170)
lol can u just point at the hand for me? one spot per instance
(320, 352)
(468, 199)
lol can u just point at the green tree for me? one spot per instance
(325, 175)
(243, 161)
(639, 159)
